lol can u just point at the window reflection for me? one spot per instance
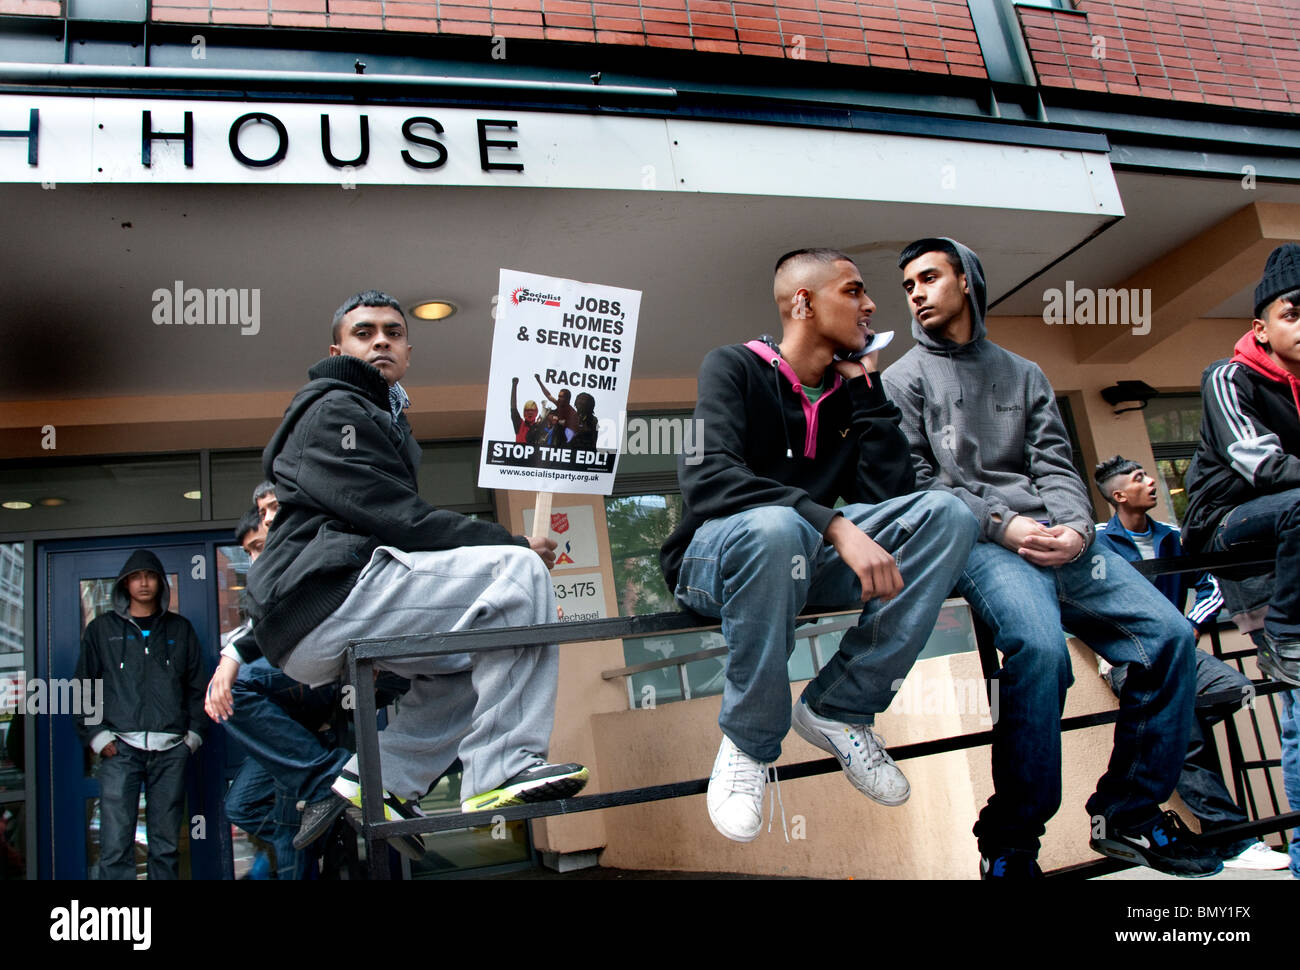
(12, 673)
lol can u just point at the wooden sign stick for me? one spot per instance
(542, 515)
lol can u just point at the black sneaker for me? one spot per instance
(540, 783)
(1280, 659)
(1010, 864)
(317, 817)
(1165, 844)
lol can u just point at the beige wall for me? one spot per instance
(835, 831)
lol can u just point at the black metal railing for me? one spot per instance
(365, 653)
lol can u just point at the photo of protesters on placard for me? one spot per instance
(584, 439)
(523, 425)
(568, 431)
(568, 414)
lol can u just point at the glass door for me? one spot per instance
(74, 582)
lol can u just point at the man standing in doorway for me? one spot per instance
(150, 663)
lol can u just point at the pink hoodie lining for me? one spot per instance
(1253, 356)
(810, 410)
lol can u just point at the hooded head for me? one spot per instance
(963, 261)
(1281, 276)
(146, 561)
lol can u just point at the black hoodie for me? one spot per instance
(151, 666)
(763, 444)
(345, 475)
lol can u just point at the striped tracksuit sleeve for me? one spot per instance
(1253, 451)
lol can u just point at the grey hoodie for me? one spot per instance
(982, 423)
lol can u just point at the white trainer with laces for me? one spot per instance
(735, 797)
(1260, 857)
(861, 752)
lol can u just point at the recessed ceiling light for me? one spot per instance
(433, 309)
(51, 502)
(16, 505)
(195, 495)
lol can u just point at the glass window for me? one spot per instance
(234, 476)
(120, 10)
(13, 841)
(11, 606)
(13, 693)
(638, 526)
(232, 578)
(116, 491)
(1174, 426)
(1174, 418)
(448, 477)
(13, 756)
(101, 492)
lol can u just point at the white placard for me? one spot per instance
(574, 530)
(566, 348)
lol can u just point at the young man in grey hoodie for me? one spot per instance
(983, 424)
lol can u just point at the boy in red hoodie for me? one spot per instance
(1244, 484)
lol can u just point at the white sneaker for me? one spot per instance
(735, 796)
(1258, 856)
(869, 767)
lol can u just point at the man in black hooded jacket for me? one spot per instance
(149, 662)
(354, 551)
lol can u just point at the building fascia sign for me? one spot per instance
(53, 139)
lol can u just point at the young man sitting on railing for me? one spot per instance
(355, 552)
(1135, 536)
(788, 429)
(983, 425)
(1243, 486)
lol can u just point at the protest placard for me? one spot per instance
(561, 360)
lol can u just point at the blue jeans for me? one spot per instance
(1108, 605)
(756, 570)
(162, 774)
(262, 807)
(275, 719)
(1201, 783)
(1272, 520)
(1291, 766)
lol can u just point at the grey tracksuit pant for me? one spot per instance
(495, 710)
